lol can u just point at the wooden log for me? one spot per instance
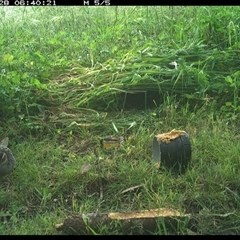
(137, 222)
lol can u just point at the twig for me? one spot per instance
(220, 215)
(99, 174)
(131, 188)
(227, 188)
(232, 192)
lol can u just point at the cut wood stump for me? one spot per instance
(137, 222)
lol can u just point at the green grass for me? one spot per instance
(64, 76)
(47, 184)
(67, 58)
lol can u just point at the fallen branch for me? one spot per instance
(137, 222)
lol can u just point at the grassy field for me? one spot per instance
(65, 73)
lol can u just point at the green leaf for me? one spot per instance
(228, 79)
(42, 58)
(7, 58)
(25, 75)
(228, 104)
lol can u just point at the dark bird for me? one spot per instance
(7, 160)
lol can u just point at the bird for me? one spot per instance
(7, 160)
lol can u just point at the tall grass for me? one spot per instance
(100, 52)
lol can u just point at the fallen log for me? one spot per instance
(137, 222)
